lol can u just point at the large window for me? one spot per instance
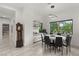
(65, 26)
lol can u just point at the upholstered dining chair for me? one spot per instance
(59, 44)
(68, 44)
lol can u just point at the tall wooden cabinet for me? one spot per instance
(19, 30)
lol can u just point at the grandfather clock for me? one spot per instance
(19, 29)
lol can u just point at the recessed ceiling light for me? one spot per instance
(52, 6)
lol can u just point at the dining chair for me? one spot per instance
(58, 44)
(68, 44)
(42, 37)
(48, 42)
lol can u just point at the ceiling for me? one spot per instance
(58, 6)
(43, 8)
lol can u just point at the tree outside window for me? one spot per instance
(61, 26)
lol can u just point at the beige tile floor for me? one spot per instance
(34, 50)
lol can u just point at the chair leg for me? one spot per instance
(69, 48)
(55, 49)
(42, 43)
(66, 50)
(62, 50)
(50, 48)
(59, 49)
(45, 46)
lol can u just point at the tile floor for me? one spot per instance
(35, 50)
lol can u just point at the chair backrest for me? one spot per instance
(58, 33)
(58, 42)
(41, 37)
(68, 40)
(51, 33)
(47, 40)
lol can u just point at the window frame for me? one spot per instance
(62, 21)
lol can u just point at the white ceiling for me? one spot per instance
(58, 6)
(44, 8)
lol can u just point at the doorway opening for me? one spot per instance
(5, 34)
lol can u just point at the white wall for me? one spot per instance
(29, 14)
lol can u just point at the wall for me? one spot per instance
(29, 14)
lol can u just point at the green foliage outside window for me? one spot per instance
(66, 27)
(54, 27)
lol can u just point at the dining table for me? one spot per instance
(53, 37)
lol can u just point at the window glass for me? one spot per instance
(65, 26)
